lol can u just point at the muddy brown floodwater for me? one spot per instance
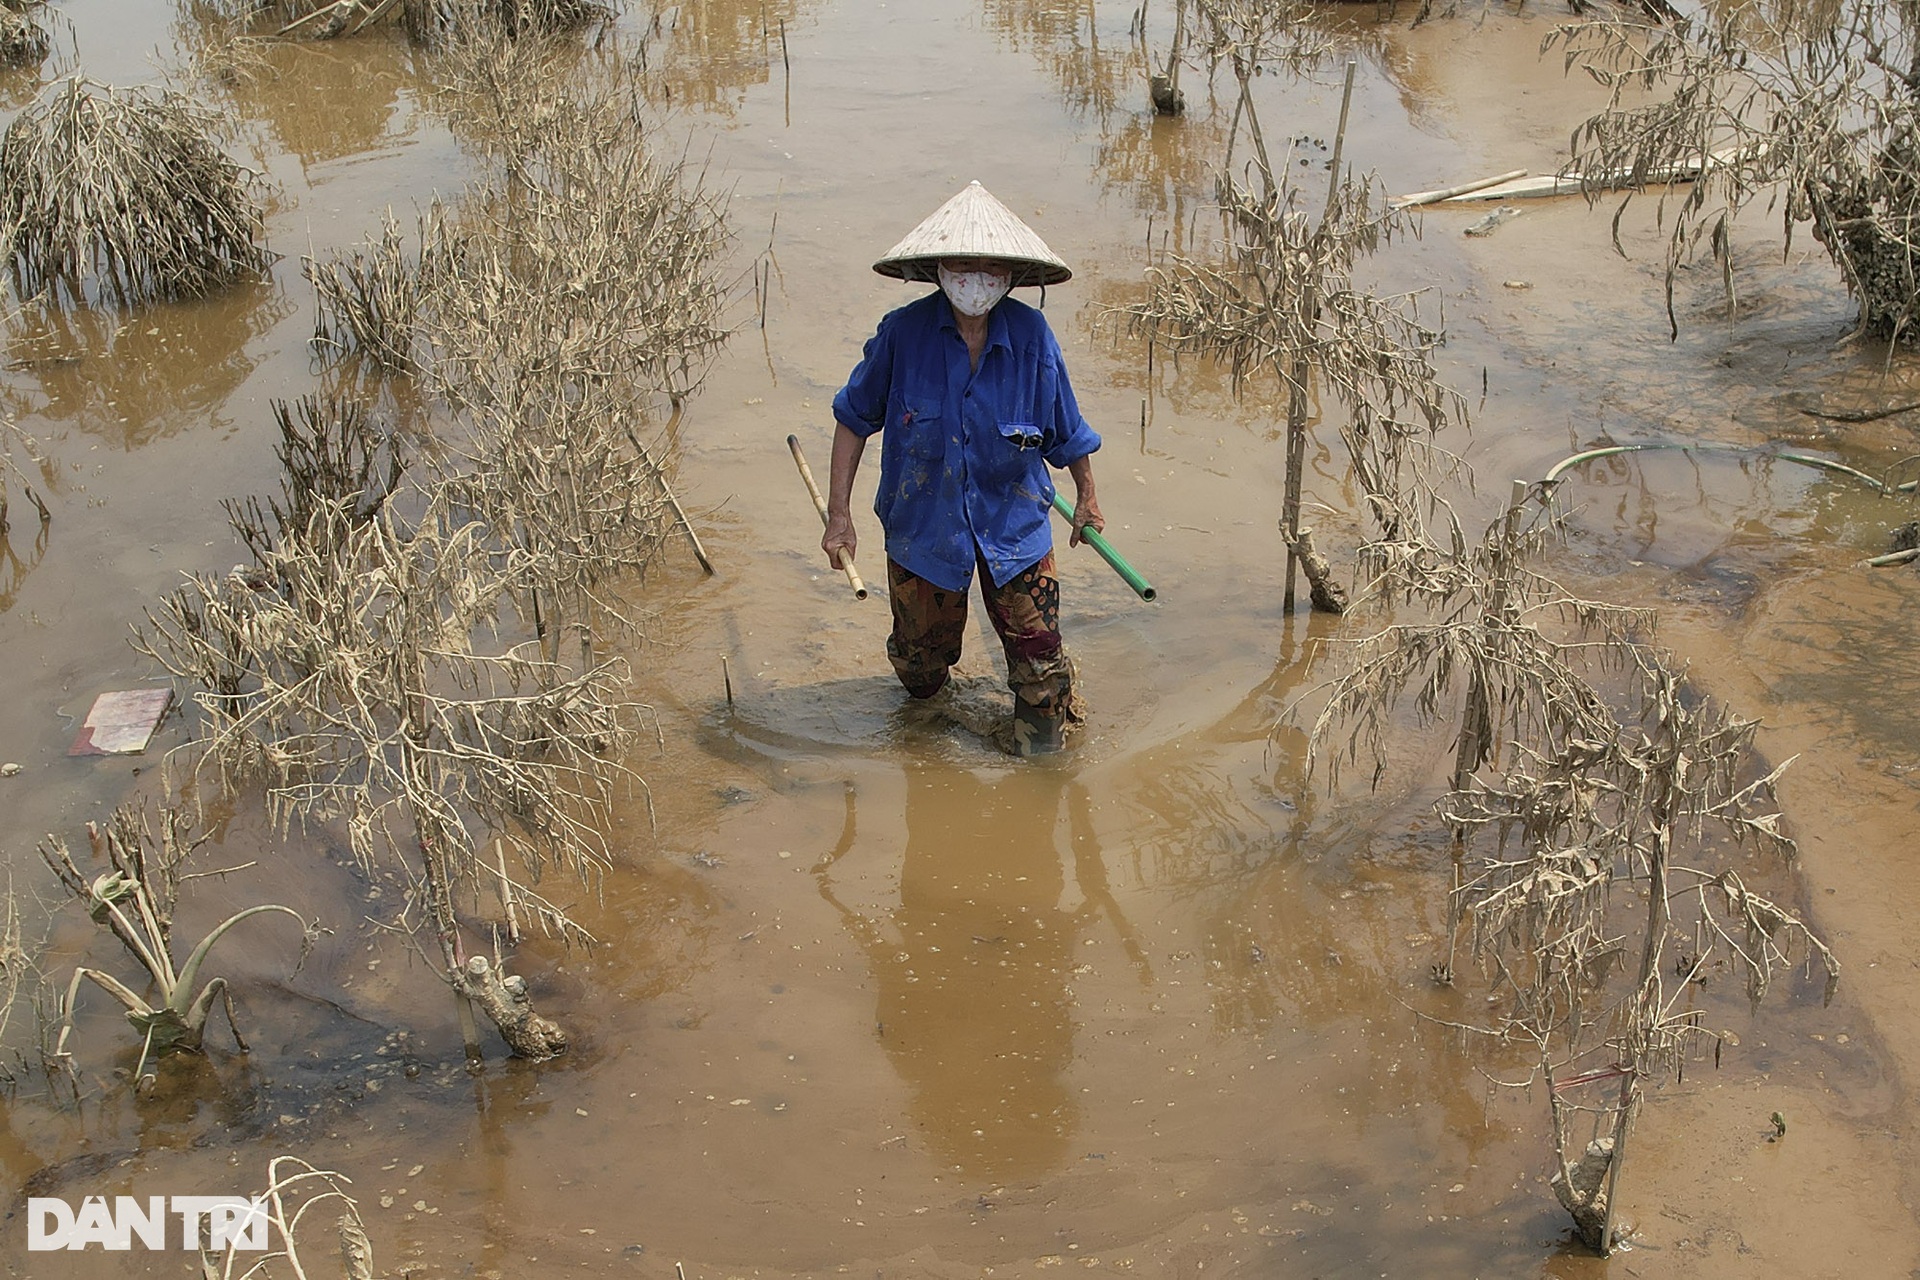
(873, 999)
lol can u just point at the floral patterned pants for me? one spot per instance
(930, 622)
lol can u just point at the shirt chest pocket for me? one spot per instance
(921, 433)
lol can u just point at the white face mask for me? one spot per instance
(974, 293)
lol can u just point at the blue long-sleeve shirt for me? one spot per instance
(964, 454)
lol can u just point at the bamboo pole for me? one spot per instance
(820, 505)
(507, 903)
(1447, 193)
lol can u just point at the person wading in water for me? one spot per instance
(970, 392)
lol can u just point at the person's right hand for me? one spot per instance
(838, 538)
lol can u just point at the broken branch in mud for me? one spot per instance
(1518, 186)
(505, 1000)
(1861, 415)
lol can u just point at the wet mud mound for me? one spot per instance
(871, 714)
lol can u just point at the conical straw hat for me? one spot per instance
(974, 225)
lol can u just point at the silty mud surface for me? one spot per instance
(875, 998)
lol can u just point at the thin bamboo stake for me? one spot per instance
(1339, 144)
(1297, 375)
(820, 505)
(679, 513)
(507, 902)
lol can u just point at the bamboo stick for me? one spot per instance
(1447, 193)
(507, 903)
(1299, 371)
(820, 505)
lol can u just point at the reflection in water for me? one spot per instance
(1844, 647)
(321, 100)
(1159, 162)
(20, 555)
(972, 966)
(1067, 36)
(500, 1101)
(226, 1094)
(1721, 525)
(1154, 160)
(665, 926)
(27, 480)
(144, 375)
(1319, 917)
(707, 53)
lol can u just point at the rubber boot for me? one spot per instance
(921, 692)
(1036, 733)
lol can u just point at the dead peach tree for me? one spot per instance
(1278, 299)
(1594, 794)
(553, 311)
(354, 672)
(368, 667)
(1812, 111)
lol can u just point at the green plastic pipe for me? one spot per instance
(1128, 574)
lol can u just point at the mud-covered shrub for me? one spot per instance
(123, 196)
(1810, 110)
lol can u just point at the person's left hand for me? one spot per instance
(1086, 513)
